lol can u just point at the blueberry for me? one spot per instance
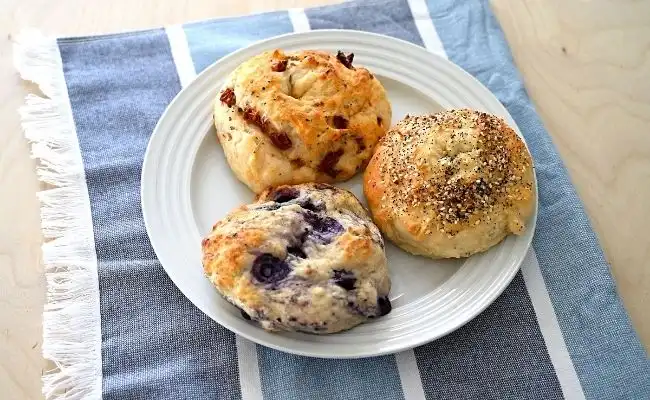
(267, 207)
(300, 240)
(344, 279)
(296, 251)
(323, 228)
(308, 205)
(285, 194)
(323, 186)
(269, 269)
(383, 306)
(356, 309)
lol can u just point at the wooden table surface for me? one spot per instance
(586, 64)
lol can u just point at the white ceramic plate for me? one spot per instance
(187, 186)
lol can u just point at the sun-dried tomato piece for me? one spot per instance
(228, 97)
(345, 59)
(279, 66)
(328, 163)
(280, 140)
(339, 122)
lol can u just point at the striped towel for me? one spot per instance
(119, 328)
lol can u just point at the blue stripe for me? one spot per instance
(388, 18)
(605, 350)
(289, 377)
(210, 40)
(155, 343)
(500, 354)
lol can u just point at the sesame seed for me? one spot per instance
(453, 193)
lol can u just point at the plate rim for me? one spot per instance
(419, 340)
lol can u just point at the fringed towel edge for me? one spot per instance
(71, 315)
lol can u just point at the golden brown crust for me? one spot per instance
(287, 118)
(450, 184)
(228, 255)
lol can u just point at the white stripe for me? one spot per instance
(72, 336)
(181, 54)
(550, 328)
(407, 366)
(409, 374)
(249, 370)
(428, 32)
(249, 373)
(299, 20)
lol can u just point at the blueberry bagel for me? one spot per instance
(302, 258)
(305, 116)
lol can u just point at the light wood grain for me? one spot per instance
(586, 65)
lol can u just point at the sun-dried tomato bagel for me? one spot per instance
(306, 116)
